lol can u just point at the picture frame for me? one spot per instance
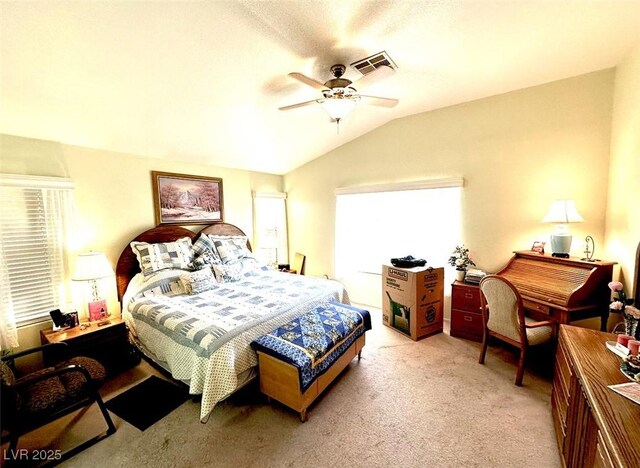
(187, 199)
(538, 247)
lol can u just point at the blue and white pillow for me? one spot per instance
(163, 255)
(199, 281)
(205, 254)
(227, 273)
(231, 248)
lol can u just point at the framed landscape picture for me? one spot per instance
(187, 199)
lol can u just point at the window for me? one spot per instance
(377, 223)
(35, 216)
(270, 227)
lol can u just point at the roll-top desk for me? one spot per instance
(594, 425)
(563, 289)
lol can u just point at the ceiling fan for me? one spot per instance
(339, 96)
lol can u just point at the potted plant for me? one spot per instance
(460, 260)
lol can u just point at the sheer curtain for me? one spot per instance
(422, 219)
(8, 331)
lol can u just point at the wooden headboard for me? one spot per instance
(127, 266)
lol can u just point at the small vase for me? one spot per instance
(460, 275)
(631, 327)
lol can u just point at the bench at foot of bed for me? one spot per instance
(300, 359)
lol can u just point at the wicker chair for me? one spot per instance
(503, 318)
(40, 397)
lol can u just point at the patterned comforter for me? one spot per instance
(204, 339)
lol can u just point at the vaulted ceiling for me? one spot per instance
(202, 81)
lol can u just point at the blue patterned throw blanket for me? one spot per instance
(315, 340)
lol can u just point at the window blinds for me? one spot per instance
(34, 220)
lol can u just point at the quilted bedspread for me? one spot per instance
(204, 339)
(313, 341)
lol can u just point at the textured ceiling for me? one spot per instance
(202, 81)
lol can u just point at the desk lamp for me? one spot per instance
(562, 212)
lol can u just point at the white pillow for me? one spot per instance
(227, 273)
(198, 281)
(163, 255)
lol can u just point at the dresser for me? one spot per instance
(594, 425)
(466, 316)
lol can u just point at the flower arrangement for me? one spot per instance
(622, 305)
(460, 258)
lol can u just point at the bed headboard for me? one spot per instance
(127, 266)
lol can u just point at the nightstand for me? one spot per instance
(466, 315)
(107, 343)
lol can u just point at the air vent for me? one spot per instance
(367, 65)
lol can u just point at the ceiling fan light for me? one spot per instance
(338, 108)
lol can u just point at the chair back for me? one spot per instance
(298, 263)
(505, 314)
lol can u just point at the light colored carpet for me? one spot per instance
(426, 403)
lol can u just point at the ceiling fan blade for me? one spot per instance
(300, 104)
(378, 74)
(308, 81)
(379, 101)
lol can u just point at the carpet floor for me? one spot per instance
(406, 404)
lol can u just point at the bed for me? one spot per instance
(204, 339)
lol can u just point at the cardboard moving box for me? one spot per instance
(413, 300)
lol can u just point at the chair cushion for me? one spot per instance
(537, 335)
(75, 382)
(43, 395)
(9, 402)
(6, 374)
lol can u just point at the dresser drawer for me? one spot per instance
(464, 297)
(466, 325)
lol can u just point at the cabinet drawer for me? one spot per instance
(466, 325)
(465, 298)
(530, 305)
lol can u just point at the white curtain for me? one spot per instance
(8, 331)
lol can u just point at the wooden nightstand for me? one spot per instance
(108, 344)
(466, 316)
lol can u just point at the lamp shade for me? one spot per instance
(338, 108)
(92, 266)
(563, 211)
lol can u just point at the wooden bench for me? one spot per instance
(295, 374)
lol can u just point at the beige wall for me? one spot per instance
(113, 192)
(517, 152)
(623, 207)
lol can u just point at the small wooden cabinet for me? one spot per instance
(594, 425)
(107, 343)
(466, 316)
